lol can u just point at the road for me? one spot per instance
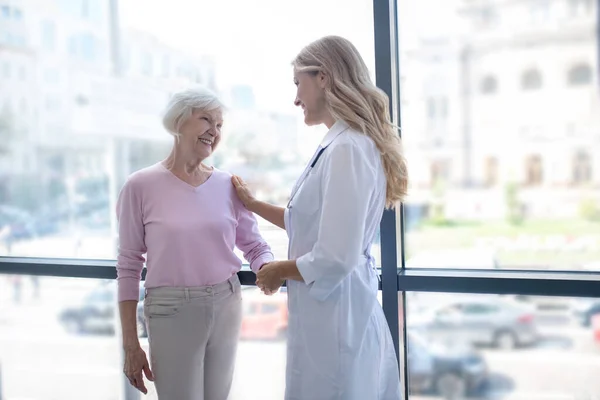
(40, 361)
(61, 367)
(48, 364)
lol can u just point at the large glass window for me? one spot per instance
(44, 319)
(505, 186)
(491, 346)
(99, 123)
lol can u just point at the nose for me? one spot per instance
(213, 130)
(297, 102)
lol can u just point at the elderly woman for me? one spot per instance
(186, 218)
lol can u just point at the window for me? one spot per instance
(13, 13)
(23, 106)
(531, 80)
(146, 63)
(431, 109)
(443, 108)
(51, 75)
(6, 69)
(498, 345)
(580, 75)
(512, 198)
(17, 14)
(88, 47)
(491, 171)
(437, 108)
(85, 9)
(53, 103)
(580, 7)
(534, 170)
(539, 11)
(49, 35)
(488, 85)
(119, 129)
(440, 171)
(489, 16)
(73, 46)
(582, 167)
(83, 46)
(166, 66)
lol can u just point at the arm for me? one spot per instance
(272, 275)
(128, 313)
(248, 238)
(347, 181)
(130, 260)
(289, 270)
(269, 212)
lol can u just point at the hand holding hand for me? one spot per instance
(269, 279)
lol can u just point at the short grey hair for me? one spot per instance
(183, 103)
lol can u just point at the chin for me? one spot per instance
(310, 122)
(204, 155)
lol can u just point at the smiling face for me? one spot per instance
(310, 96)
(200, 134)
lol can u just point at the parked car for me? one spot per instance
(494, 321)
(584, 310)
(264, 317)
(451, 371)
(97, 313)
(16, 224)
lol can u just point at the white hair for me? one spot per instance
(183, 103)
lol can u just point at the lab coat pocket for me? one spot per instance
(306, 201)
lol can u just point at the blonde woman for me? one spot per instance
(339, 343)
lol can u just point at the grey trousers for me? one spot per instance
(193, 335)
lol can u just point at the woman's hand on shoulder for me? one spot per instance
(243, 192)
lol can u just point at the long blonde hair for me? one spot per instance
(352, 97)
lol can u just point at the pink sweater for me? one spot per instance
(187, 233)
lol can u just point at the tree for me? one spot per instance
(514, 208)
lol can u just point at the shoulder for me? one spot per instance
(144, 177)
(221, 178)
(221, 175)
(356, 145)
(220, 182)
(222, 188)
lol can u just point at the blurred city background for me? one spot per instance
(500, 116)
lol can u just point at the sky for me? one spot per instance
(253, 41)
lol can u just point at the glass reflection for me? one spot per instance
(501, 347)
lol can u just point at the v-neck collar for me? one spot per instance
(183, 183)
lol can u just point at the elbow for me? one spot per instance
(129, 267)
(323, 275)
(257, 249)
(338, 269)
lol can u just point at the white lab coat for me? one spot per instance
(339, 343)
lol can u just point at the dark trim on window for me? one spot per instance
(385, 23)
(83, 268)
(534, 283)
